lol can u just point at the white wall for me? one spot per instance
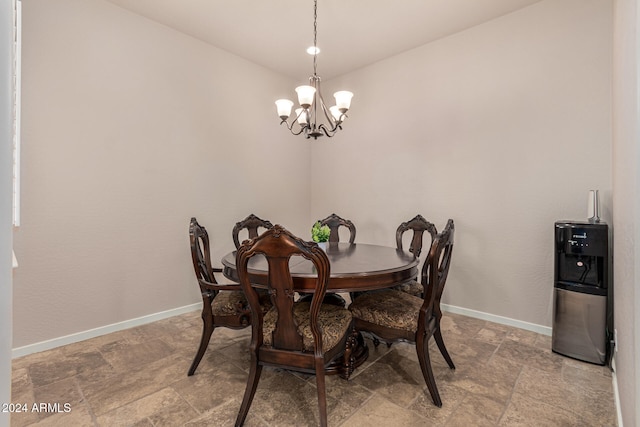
(626, 202)
(503, 127)
(129, 129)
(6, 155)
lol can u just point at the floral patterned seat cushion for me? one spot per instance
(389, 308)
(333, 321)
(412, 288)
(229, 303)
(233, 303)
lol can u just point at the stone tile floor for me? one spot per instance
(504, 376)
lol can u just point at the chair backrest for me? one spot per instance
(200, 252)
(278, 245)
(334, 222)
(419, 225)
(436, 270)
(251, 224)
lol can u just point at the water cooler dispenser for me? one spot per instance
(581, 287)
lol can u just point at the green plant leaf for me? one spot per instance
(320, 233)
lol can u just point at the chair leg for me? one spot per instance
(422, 348)
(438, 337)
(207, 330)
(347, 357)
(322, 392)
(252, 385)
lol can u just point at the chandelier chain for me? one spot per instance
(315, 36)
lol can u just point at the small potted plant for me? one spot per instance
(320, 234)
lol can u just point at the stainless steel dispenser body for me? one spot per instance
(581, 288)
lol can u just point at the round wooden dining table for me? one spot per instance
(354, 267)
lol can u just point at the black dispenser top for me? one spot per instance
(582, 251)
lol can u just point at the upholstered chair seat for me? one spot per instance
(233, 303)
(389, 308)
(229, 303)
(334, 323)
(412, 288)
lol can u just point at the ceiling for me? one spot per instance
(351, 33)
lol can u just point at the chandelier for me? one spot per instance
(313, 118)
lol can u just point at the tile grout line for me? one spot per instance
(513, 389)
(360, 407)
(94, 418)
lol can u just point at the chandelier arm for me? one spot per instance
(299, 132)
(327, 114)
(329, 132)
(290, 127)
(332, 122)
(303, 110)
(324, 129)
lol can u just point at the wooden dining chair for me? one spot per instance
(334, 222)
(301, 336)
(252, 224)
(418, 225)
(392, 315)
(222, 304)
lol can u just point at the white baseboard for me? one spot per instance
(544, 330)
(616, 393)
(92, 333)
(103, 330)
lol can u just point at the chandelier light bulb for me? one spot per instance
(337, 114)
(313, 50)
(301, 114)
(343, 100)
(284, 108)
(305, 95)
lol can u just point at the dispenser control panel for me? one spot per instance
(579, 239)
(585, 239)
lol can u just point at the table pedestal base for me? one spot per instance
(359, 353)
